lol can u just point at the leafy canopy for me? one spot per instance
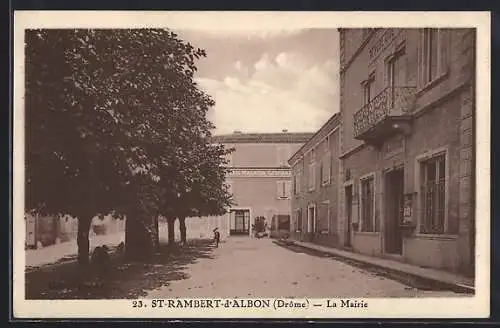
(114, 119)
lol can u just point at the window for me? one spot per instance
(434, 54)
(368, 89)
(296, 182)
(312, 156)
(295, 185)
(431, 53)
(312, 176)
(283, 189)
(433, 195)
(367, 205)
(311, 219)
(325, 172)
(397, 69)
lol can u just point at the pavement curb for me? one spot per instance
(400, 275)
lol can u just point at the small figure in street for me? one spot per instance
(216, 237)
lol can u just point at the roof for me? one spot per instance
(282, 137)
(332, 123)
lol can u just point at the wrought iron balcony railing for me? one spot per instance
(392, 101)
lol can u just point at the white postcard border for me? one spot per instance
(462, 307)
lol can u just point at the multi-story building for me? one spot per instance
(407, 150)
(315, 172)
(260, 181)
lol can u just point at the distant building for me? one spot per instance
(48, 230)
(260, 181)
(407, 134)
(315, 173)
(42, 231)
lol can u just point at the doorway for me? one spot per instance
(394, 205)
(240, 225)
(348, 202)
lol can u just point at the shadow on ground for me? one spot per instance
(122, 280)
(412, 282)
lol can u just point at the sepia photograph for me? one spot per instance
(183, 166)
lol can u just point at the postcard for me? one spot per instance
(251, 164)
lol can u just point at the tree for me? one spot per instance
(207, 194)
(70, 168)
(106, 114)
(200, 189)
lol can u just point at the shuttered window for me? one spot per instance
(283, 189)
(433, 55)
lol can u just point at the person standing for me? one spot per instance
(216, 237)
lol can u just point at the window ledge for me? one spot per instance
(433, 83)
(436, 236)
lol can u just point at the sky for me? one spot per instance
(268, 81)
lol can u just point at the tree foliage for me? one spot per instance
(115, 122)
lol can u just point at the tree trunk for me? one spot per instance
(171, 232)
(157, 229)
(182, 228)
(82, 239)
(140, 236)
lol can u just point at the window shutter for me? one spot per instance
(323, 217)
(312, 176)
(307, 178)
(279, 188)
(327, 167)
(321, 173)
(294, 186)
(299, 181)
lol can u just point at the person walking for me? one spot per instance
(216, 237)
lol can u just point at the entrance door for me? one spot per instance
(348, 202)
(241, 224)
(394, 203)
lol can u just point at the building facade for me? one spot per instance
(407, 145)
(259, 179)
(44, 231)
(315, 172)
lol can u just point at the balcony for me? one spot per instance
(386, 115)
